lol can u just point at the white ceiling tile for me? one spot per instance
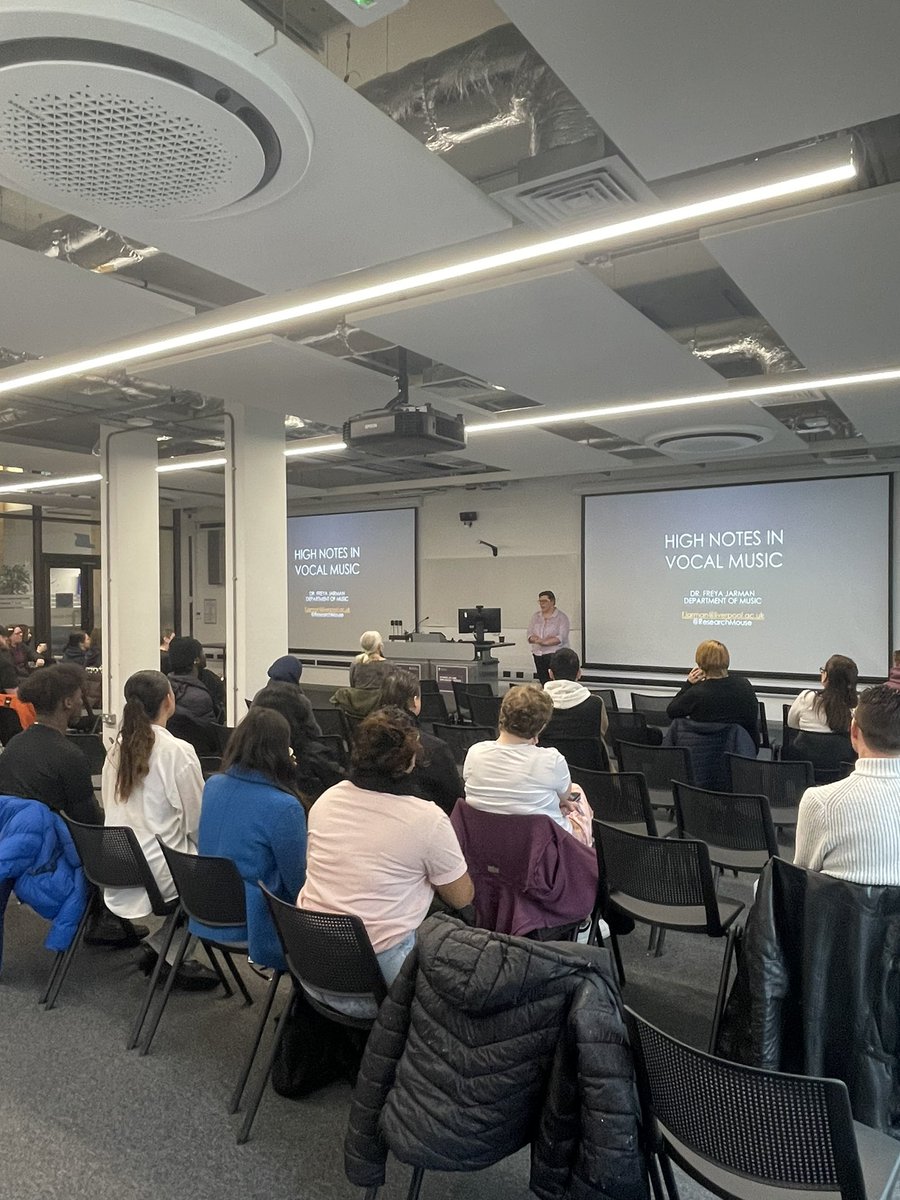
(682, 85)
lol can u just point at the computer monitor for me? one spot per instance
(479, 620)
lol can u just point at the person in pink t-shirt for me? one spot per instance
(378, 853)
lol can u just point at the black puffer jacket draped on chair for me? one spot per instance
(487, 1043)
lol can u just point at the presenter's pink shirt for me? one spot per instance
(378, 857)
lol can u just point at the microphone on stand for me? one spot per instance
(423, 621)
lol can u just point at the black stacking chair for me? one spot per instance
(209, 764)
(737, 829)
(460, 737)
(351, 722)
(335, 743)
(329, 721)
(653, 708)
(748, 1134)
(212, 892)
(434, 706)
(91, 746)
(112, 857)
(10, 724)
(782, 783)
(787, 733)
(620, 800)
(586, 752)
(632, 727)
(485, 710)
(461, 693)
(608, 696)
(660, 766)
(329, 952)
(201, 736)
(764, 739)
(222, 733)
(429, 685)
(667, 882)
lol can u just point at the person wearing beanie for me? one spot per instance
(286, 669)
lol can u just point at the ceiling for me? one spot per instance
(680, 92)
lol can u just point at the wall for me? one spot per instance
(203, 605)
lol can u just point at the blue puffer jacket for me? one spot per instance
(37, 854)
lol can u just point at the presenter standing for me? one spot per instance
(548, 631)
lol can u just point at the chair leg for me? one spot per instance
(651, 940)
(617, 955)
(415, 1184)
(723, 988)
(260, 1030)
(660, 943)
(63, 962)
(167, 990)
(656, 1183)
(236, 975)
(669, 1176)
(250, 1115)
(371, 1193)
(172, 922)
(216, 966)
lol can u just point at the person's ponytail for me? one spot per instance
(144, 695)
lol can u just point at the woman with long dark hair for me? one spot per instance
(152, 783)
(823, 717)
(252, 814)
(435, 776)
(315, 768)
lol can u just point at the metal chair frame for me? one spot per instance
(736, 828)
(454, 734)
(777, 780)
(626, 795)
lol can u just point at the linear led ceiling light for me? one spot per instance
(827, 383)
(195, 465)
(326, 448)
(30, 486)
(269, 318)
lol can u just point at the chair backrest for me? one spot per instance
(782, 783)
(653, 708)
(327, 950)
(112, 857)
(222, 733)
(608, 696)
(91, 746)
(10, 724)
(460, 737)
(587, 752)
(616, 799)
(792, 1131)
(764, 739)
(198, 735)
(670, 871)
(725, 820)
(631, 726)
(660, 765)
(210, 889)
(209, 764)
(429, 687)
(350, 722)
(329, 721)
(485, 710)
(434, 706)
(461, 696)
(787, 733)
(335, 743)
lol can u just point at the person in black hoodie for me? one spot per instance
(192, 697)
(435, 776)
(316, 769)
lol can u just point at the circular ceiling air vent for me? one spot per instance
(710, 443)
(90, 125)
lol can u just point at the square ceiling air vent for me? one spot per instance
(595, 190)
(448, 383)
(502, 402)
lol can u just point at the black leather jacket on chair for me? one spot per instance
(487, 1043)
(818, 987)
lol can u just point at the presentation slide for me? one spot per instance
(349, 572)
(785, 574)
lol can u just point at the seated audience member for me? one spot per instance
(152, 783)
(514, 775)
(370, 668)
(827, 712)
(714, 696)
(215, 685)
(93, 656)
(76, 648)
(893, 679)
(42, 764)
(192, 698)
(252, 815)
(286, 669)
(9, 676)
(376, 851)
(851, 829)
(315, 768)
(21, 651)
(435, 776)
(165, 639)
(576, 711)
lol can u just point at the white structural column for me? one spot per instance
(255, 550)
(129, 527)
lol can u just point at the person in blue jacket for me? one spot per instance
(38, 861)
(251, 814)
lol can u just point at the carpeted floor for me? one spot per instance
(83, 1119)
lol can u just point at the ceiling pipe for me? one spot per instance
(760, 346)
(90, 246)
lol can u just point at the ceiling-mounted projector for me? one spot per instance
(405, 431)
(366, 12)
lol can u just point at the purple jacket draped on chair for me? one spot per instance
(529, 873)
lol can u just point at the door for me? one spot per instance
(71, 597)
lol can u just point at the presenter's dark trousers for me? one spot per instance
(542, 667)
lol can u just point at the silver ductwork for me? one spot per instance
(760, 347)
(491, 82)
(89, 246)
